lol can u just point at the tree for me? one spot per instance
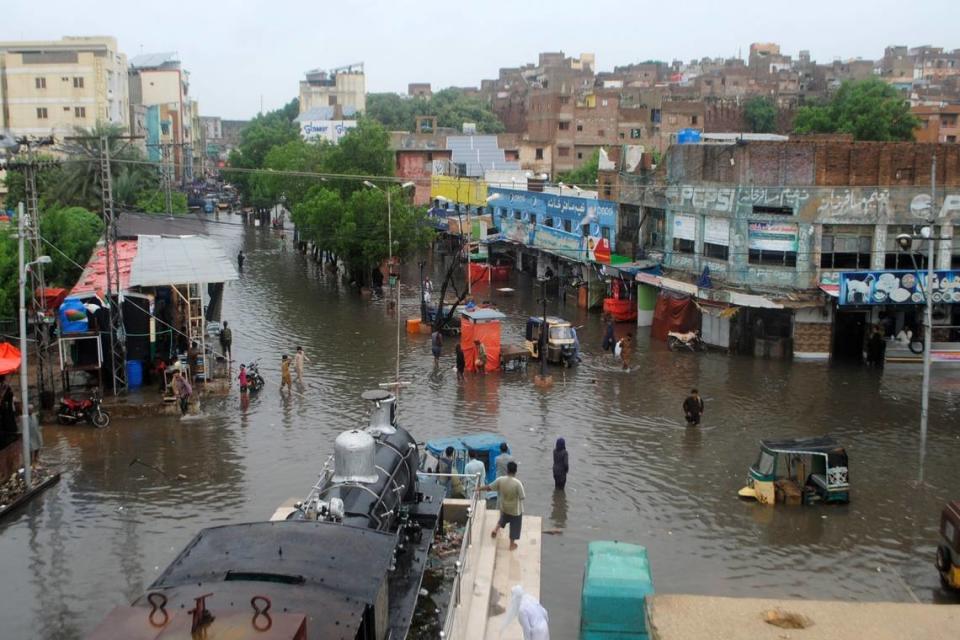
(451, 106)
(262, 134)
(585, 175)
(760, 114)
(156, 202)
(868, 109)
(74, 231)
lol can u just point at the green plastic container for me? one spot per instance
(616, 583)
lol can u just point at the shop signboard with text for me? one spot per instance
(898, 287)
(773, 236)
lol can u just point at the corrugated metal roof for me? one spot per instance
(148, 60)
(162, 260)
(94, 276)
(479, 154)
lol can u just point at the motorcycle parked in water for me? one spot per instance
(87, 409)
(690, 340)
(254, 379)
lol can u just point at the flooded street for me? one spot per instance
(638, 474)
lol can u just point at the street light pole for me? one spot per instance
(928, 338)
(24, 418)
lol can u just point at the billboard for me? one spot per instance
(330, 130)
(898, 287)
(772, 236)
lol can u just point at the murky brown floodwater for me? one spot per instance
(637, 473)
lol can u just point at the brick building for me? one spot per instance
(939, 123)
(776, 222)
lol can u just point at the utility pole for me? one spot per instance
(166, 177)
(118, 339)
(24, 414)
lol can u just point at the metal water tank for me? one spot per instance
(354, 455)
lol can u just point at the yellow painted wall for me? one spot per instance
(461, 190)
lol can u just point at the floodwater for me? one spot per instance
(102, 535)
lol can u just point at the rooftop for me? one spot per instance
(154, 60)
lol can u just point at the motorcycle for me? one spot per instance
(255, 381)
(690, 340)
(87, 409)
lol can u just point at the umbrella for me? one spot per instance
(9, 358)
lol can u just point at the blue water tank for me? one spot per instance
(688, 136)
(616, 585)
(73, 316)
(134, 374)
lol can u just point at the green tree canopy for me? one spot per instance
(868, 109)
(451, 106)
(585, 175)
(760, 114)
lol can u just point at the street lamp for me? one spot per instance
(24, 415)
(905, 242)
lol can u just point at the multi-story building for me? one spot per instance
(53, 87)
(159, 80)
(344, 88)
(762, 260)
(938, 123)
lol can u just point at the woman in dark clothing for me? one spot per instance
(608, 336)
(561, 464)
(8, 415)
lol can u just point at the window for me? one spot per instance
(41, 113)
(778, 211)
(40, 83)
(331, 100)
(654, 228)
(567, 226)
(548, 221)
(846, 246)
(516, 214)
(684, 233)
(77, 83)
(773, 244)
(564, 99)
(680, 245)
(579, 127)
(636, 133)
(563, 152)
(538, 154)
(716, 238)
(601, 132)
(80, 112)
(579, 155)
(563, 126)
(604, 102)
(429, 156)
(605, 233)
(693, 119)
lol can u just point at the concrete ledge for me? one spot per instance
(678, 617)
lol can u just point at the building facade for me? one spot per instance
(939, 123)
(760, 231)
(344, 87)
(53, 87)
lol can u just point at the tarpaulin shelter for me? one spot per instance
(482, 325)
(674, 312)
(9, 358)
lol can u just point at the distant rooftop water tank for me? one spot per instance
(688, 136)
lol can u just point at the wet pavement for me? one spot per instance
(638, 474)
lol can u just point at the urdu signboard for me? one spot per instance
(897, 287)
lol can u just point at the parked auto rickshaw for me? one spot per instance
(799, 471)
(948, 551)
(561, 343)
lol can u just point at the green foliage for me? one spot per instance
(585, 175)
(868, 109)
(263, 133)
(760, 115)
(451, 107)
(74, 231)
(155, 202)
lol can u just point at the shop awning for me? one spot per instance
(832, 290)
(9, 358)
(163, 260)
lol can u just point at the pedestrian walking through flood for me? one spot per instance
(285, 380)
(298, 359)
(693, 407)
(561, 465)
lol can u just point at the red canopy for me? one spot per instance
(9, 358)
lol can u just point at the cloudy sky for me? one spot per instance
(240, 50)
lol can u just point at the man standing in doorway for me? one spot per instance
(481, 361)
(510, 491)
(226, 341)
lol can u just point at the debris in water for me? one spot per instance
(786, 619)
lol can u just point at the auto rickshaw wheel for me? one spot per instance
(944, 560)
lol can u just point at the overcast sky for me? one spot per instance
(240, 50)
